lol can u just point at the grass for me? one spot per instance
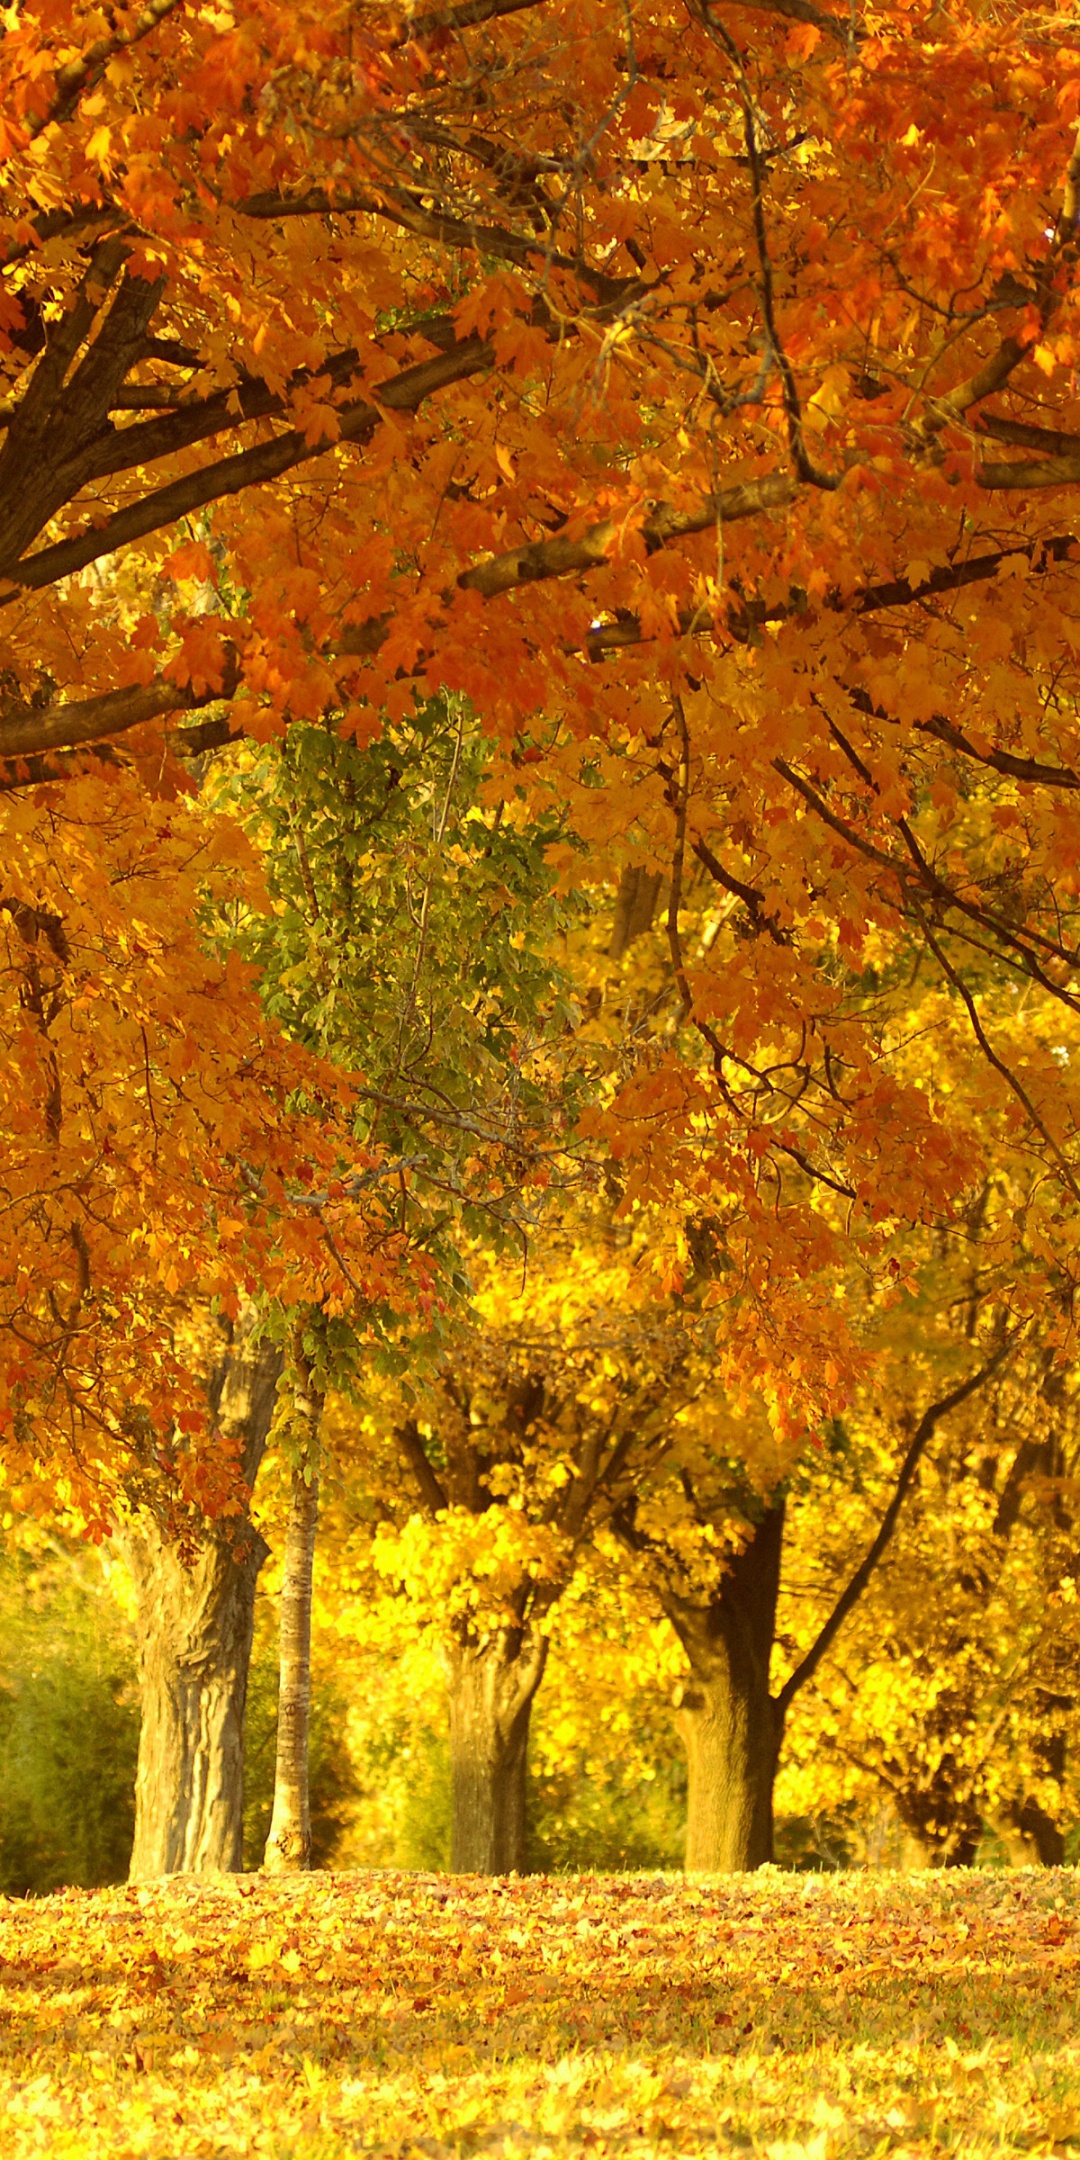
(413, 2017)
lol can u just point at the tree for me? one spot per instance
(195, 1600)
(482, 1482)
(733, 1723)
(288, 1841)
(408, 938)
(480, 344)
(538, 354)
(952, 1698)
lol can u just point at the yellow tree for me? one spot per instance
(951, 1700)
(483, 1476)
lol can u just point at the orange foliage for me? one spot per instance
(151, 1154)
(701, 380)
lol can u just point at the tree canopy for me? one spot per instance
(468, 473)
(692, 388)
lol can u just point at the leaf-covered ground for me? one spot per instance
(415, 2015)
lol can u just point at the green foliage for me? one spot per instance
(408, 938)
(69, 1725)
(586, 1818)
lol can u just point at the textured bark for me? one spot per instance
(288, 1846)
(492, 1689)
(731, 1725)
(1031, 1837)
(196, 1613)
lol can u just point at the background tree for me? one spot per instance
(952, 1697)
(484, 1477)
(412, 938)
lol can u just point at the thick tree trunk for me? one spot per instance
(288, 1846)
(731, 1724)
(195, 1614)
(492, 1689)
(731, 1754)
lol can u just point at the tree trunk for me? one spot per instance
(492, 1689)
(1039, 1842)
(288, 1846)
(731, 1725)
(195, 1615)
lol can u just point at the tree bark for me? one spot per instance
(288, 1846)
(196, 1614)
(731, 1725)
(492, 1687)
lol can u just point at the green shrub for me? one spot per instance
(588, 1818)
(69, 1725)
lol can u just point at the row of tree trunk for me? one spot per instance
(196, 1614)
(196, 1618)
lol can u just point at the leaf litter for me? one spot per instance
(423, 2017)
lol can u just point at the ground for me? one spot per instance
(419, 2015)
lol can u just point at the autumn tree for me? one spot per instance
(143, 1151)
(952, 1698)
(411, 937)
(712, 1550)
(483, 1477)
(670, 379)
(167, 1163)
(479, 345)
(195, 1591)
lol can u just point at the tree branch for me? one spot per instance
(248, 468)
(992, 1058)
(82, 74)
(924, 1433)
(592, 550)
(412, 1447)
